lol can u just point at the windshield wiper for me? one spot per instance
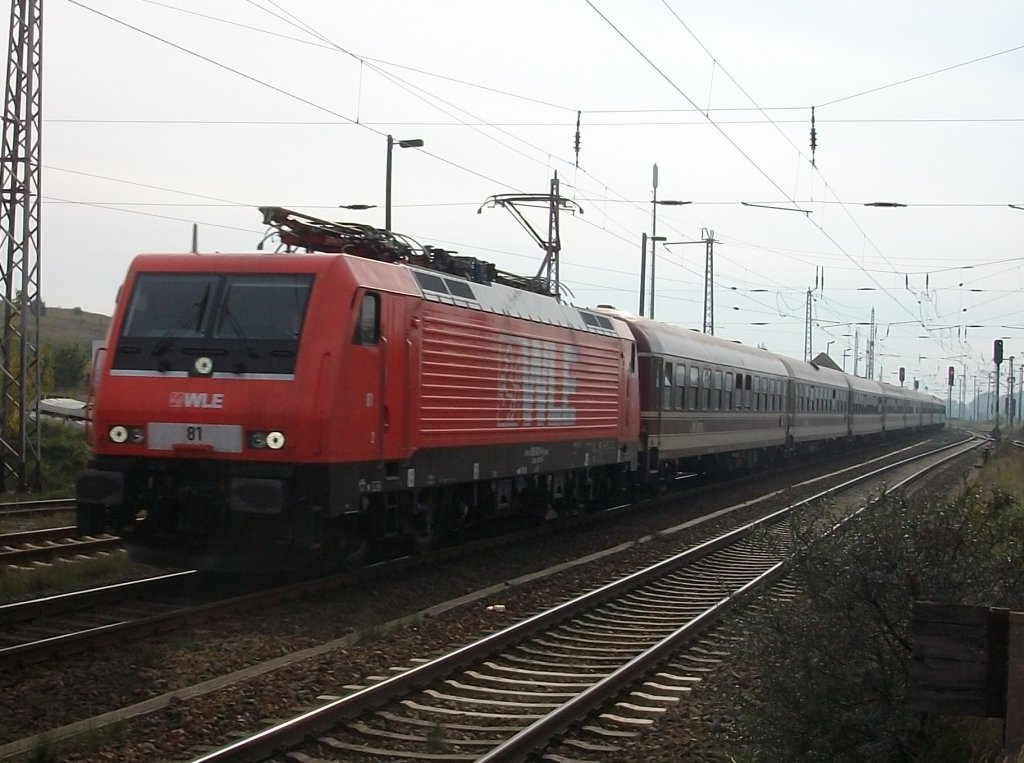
(248, 349)
(171, 336)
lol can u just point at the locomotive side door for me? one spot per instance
(366, 375)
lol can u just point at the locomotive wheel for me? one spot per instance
(426, 527)
(354, 555)
(90, 518)
(350, 545)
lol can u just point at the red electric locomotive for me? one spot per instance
(264, 410)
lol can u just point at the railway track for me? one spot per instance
(38, 630)
(49, 505)
(556, 678)
(24, 548)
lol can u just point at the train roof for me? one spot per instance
(806, 371)
(400, 278)
(664, 339)
(866, 386)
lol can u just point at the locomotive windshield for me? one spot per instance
(244, 322)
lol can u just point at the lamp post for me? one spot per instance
(654, 238)
(828, 346)
(410, 143)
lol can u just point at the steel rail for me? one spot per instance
(317, 721)
(555, 723)
(35, 507)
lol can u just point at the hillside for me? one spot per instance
(62, 325)
(67, 341)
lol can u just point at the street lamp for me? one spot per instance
(410, 143)
(654, 239)
(828, 346)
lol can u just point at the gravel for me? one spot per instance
(49, 695)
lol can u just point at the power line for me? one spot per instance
(749, 159)
(921, 76)
(560, 125)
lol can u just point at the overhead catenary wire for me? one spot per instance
(644, 204)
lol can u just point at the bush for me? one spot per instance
(65, 453)
(834, 661)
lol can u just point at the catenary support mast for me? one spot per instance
(20, 169)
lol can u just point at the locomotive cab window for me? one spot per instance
(261, 307)
(245, 322)
(367, 330)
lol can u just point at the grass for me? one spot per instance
(61, 577)
(1005, 470)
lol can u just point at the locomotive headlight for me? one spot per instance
(272, 440)
(121, 434)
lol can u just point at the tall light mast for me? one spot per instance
(20, 170)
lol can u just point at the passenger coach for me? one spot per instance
(706, 404)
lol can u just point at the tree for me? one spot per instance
(68, 363)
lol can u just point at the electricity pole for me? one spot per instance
(20, 170)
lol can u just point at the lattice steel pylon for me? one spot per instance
(20, 170)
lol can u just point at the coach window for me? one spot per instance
(727, 405)
(705, 403)
(666, 388)
(738, 395)
(718, 391)
(679, 395)
(746, 391)
(368, 321)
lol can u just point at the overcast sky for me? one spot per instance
(158, 115)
